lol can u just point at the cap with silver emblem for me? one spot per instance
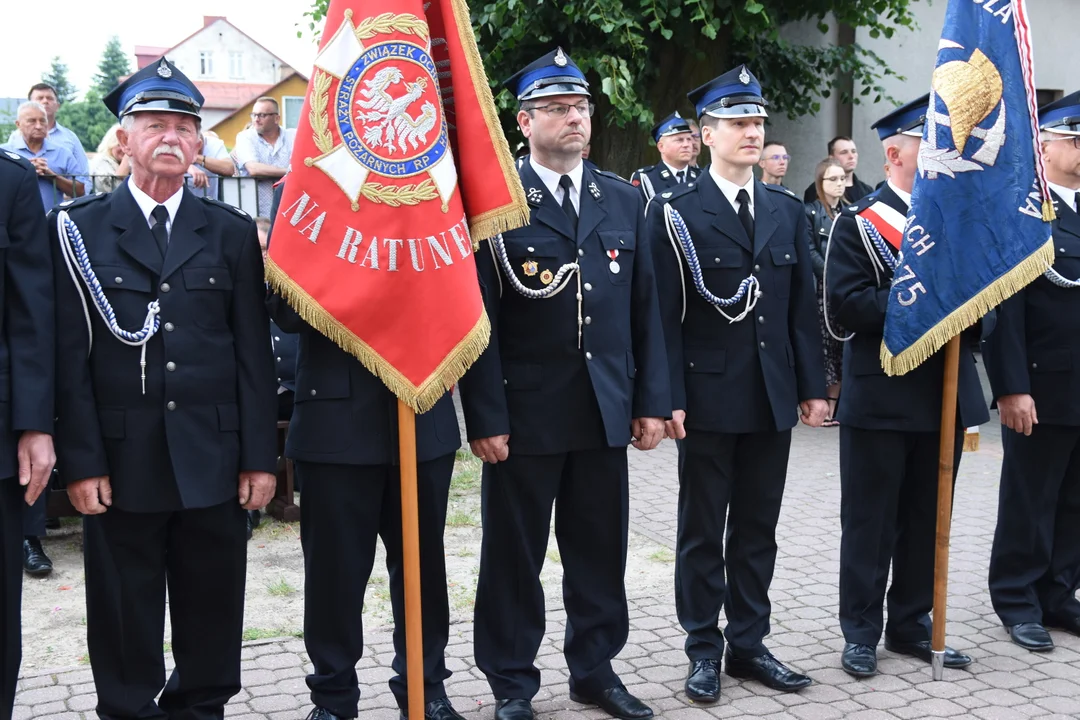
(158, 87)
(736, 93)
(553, 74)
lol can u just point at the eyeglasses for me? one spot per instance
(696, 136)
(785, 158)
(560, 110)
(262, 116)
(833, 179)
(1075, 140)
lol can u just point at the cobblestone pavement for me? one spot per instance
(1004, 682)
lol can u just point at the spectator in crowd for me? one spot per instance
(842, 150)
(695, 135)
(110, 165)
(829, 184)
(58, 172)
(212, 162)
(263, 150)
(774, 162)
(45, 96)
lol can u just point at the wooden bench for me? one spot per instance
(282, 506)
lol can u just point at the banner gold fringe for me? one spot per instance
(420, 398)
(1048, 211)
(969, 313)
(515, 214)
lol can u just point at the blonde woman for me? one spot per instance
(110, 165)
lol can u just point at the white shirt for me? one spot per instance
(550, 178)
(902, 194)
(731, 190)
(253, 147)
(1068, 195)
(675, 173)
(147, 204)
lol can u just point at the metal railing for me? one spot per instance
(240, 192)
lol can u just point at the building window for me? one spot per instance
(1045, 97)
(206, 63)
(292, 106)
(236, 65)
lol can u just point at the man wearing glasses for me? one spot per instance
(263, 150)
(1030, 359)
(575, 371)
(773, 163)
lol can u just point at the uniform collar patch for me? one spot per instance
(534, 195)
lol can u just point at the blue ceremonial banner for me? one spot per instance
(979, 225)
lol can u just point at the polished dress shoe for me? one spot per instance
(35, 562)
(617, 702)
(923, 651)
(513, 709)
(1031, 636)
(319, 713)
(859, 660)
(767, 670)
(440, 709)
(703, 681)
(1069, 625)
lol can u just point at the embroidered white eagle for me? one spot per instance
(393, 127)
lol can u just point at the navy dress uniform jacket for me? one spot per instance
(343, 414)
(26, 311)
(210, 405)
(729, 376)
(660, 178)
(534, 382)
(872, 400)
(285, 346)
(1035, 347)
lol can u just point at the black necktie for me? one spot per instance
(567, 204)
(1077, 202)
(159, 229)
(680, 177)
(747, 220)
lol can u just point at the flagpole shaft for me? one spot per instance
(946, 460)
(410, 545)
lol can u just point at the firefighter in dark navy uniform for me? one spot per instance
(575, 371)
(674, 139)
(27, 335)
(890, 427)
(1030, 357)
(166, 409)
(743, 370)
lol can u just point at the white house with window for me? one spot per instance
(229, 67)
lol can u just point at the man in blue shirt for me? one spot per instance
(45, 96)
(58, 171)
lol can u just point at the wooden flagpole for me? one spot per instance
(410, 550)
(944, 505)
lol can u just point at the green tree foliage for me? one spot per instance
(644, 55)
(89, 119)
(113, 66)
(57, 76)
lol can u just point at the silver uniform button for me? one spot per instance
(762, 344)
(213, 281)
(277, 338)
(786, 257)
(581, 253)
(716, 260)
(171, 405)
(757, 268)
(279, 359)
(118, 280)
(588, 356)
(1034, 366)
(588, 287)
(313, 393)
(165, 287)
(691, 364)
(169, 327)
(170, 366)
(761, 319)
(588, 320)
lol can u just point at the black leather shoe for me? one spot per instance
(616, 702)
(1069, 625)
(254, 517)
(513, 709)
(319, 713)
(52, 523)
(1031, 636)
(35, 562)
(440, 709)
(859, 660)
(703, 681)
(767, 670)
(923, 651)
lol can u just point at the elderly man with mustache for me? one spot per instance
(167, 405)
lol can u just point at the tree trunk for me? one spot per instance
(681, 67)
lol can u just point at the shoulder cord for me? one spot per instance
(750, 288)
(558, 283)
(646, 185)
(76, 259)
(876, 249)
(1058, 279)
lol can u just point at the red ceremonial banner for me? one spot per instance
(398, 168)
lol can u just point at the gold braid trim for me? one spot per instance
(420, 398)
(398, 195)
(969, 313)
(320, 126)
(514, 214)
(405, 23)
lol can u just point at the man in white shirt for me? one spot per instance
(263, 150)
(212, 161)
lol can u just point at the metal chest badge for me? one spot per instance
(613, 266)
(530, 267)
(546, 277)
